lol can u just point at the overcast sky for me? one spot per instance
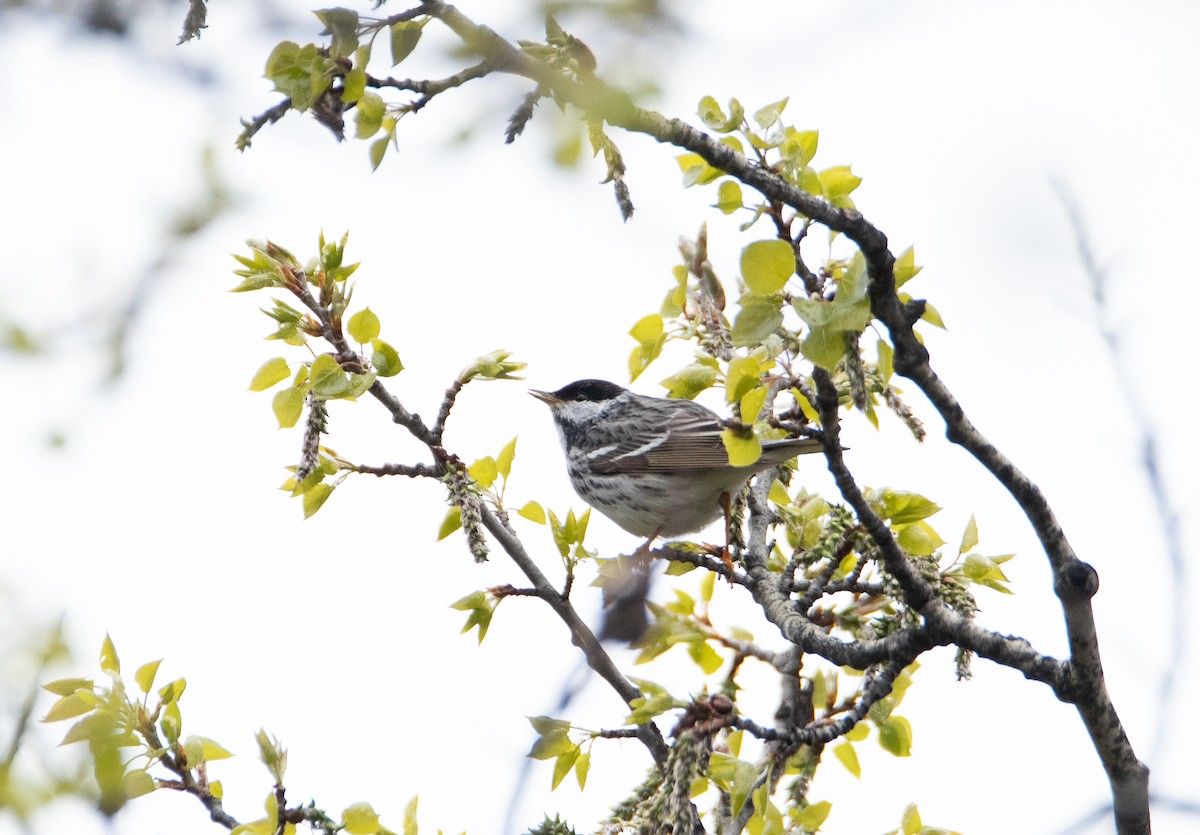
(158, 520)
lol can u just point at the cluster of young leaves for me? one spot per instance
(322, 287)
(554, 743)
(110, 719)
(332, 77)
(568, 535)
(136, 746)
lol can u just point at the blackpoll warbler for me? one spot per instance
(655, 466)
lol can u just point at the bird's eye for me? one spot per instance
(581, 397)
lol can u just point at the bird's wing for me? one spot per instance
(681, 438)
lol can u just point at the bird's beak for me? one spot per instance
(546, 397)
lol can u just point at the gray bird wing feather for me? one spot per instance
(687, 436)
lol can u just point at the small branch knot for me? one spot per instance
(914, 309)
(1077, 581)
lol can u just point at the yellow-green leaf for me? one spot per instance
(145, 675)
(484, 471)
(69, 707)
(108, 657)
(137, 783)
(582, 763)
(505, 458)
(752, 403)
(384, 359)
(67, 686)
(410, 817)
(360, 819)
(269, 373)
(767, 266)
(648, 329)
(905, 267)
(314, 497)
(895, 736)
(288, 404)
(812, 816)
(769, 115)
(533, 512)
(405, 36)
(729, 197)
(363, 326)
(848, 757)
(743, 448)
(451, 522)
(970, 537)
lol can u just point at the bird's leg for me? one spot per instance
(726, 511)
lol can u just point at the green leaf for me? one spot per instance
(919, 538)
(299, 72)
(410, 817)
(384, 359)
(363, 326)
(737, 775)
(648, 330)
(696, 171)
(368, 116)
(711, 114)
(970, 537)
(360, 819)
(108, 657)
(905, 267)
(288, 404)
(767, 266)
(705, 657)
(533, 512)
(902, 507)
(729, 197)
(342, 24)
(405, 36)
(354, 85)
(269, 373)
(848, 757)
(751, 404)
(505, 458)
(582, 763)
(742, 374)
(551, 745)
(171, 721)
(484, 471)
(769, 115)
(895, 736)
(563, 764)
(824, 346)
(932, 316)
(450, 523)
(689, 381)
(886, 355)
(910, 822)
(67, 686)
(314, 497)
(145, 675)
(799, 147)
(548, 725)
(378, 149)
(838, 182)
(743, 448)
(812, 816)
(758, 318)
(137, 783)
(69, 707)
(328, 379)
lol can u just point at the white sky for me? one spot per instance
(159, 521)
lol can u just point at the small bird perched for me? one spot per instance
(655, 466)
